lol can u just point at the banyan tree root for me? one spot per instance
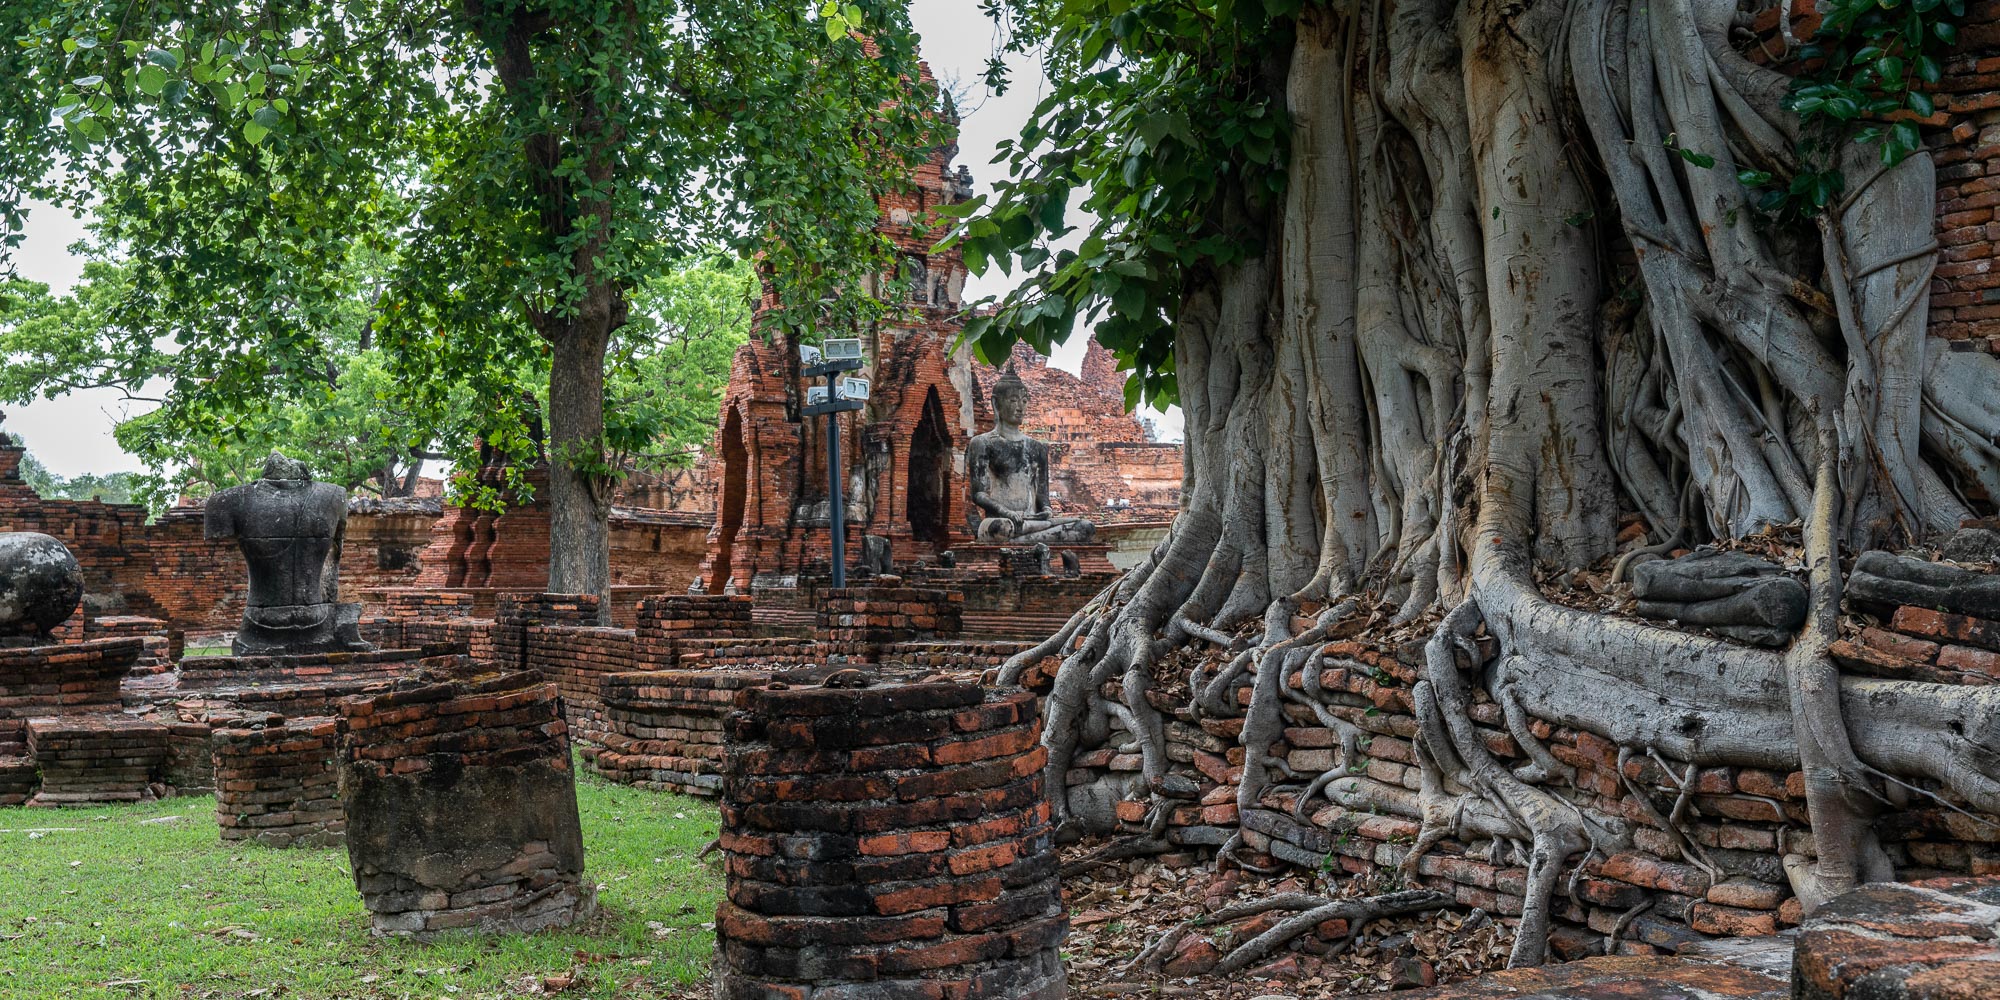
(1308, 911)
(1426, 384)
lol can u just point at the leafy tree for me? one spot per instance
(522, 166)
(1444, 286)
(116, 487)
(357, 426)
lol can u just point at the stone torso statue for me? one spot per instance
(290, 530)
(1010, 477)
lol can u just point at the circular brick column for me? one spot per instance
(888, 843)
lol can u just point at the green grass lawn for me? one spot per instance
(102, 903)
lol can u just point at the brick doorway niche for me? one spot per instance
(929, 499)
(729, 518)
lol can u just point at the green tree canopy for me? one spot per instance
(520, 166)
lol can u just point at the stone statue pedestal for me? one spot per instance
(300, 628)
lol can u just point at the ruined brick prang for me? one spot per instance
(461, 807)
(888, 843)
(276, 784)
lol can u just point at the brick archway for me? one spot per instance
(729, 514)
(928, 504)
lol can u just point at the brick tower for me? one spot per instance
(903, 454)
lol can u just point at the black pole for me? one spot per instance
(837, 509)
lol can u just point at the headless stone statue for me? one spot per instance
(290, 531)
(1010, 478)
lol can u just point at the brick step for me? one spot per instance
(1017, 625)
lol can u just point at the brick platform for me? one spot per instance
(665, 728)
(461, 806)
(277, 786)
(889, 842)
(1932, 940)
(97, 759)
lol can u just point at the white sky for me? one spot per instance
(72, 434)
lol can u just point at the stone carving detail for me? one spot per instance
(1731, 593)
(40, 583)
(1010, 477)
(290, 529)
(875, 555)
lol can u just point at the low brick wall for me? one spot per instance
(888, 842)
(667, 622)
(461, 806)
(97, 759)
(277, 785)
(1742, 819)
(745, 654)
(951, 655)
(664, 728)
(856, 622)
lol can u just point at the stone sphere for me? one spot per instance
(40, 583)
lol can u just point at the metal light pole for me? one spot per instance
(841, 356)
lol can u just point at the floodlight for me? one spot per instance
(808, 354)
(844, 349)
(815, 395)
(854, 388)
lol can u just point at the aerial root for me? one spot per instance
(1308, 911)
(1110, 854)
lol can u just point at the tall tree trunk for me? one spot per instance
(579, 485)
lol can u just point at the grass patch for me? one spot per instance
(107, 904)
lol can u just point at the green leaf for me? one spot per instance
(254, 132)
(1702, 160)
(1922, 104)
(152, 79)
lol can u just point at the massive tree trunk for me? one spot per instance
(1440, 387)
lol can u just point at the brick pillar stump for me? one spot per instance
(1933, 940)
(461, 807)
(276, 785)
(888, 843)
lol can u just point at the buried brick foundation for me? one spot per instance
(276, 785)
(461, 806)
(888, 843)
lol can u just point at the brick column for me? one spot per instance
(856, 622)
(888, 843)
(277, 785)
(461, 807)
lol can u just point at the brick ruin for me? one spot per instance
(890, 842)
(422, 768)
(906, 482)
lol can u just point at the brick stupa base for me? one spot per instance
(461, 807)
(890, 843)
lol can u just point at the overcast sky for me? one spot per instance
(72, 434)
